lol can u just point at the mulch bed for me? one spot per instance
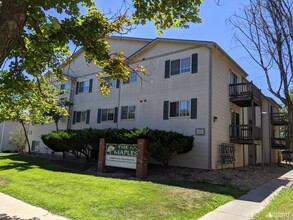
(244, 177)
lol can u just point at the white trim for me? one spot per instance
(2, 136)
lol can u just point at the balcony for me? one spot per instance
(245, 94)
(279, 143)
(279, 119)
(245, 134)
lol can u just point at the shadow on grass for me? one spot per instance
(26, 162)
(225, 189)
(21, 162)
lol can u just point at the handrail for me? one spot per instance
(244, 90)
(244, 132)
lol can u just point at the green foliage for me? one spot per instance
(166, 14)
(163, 145)
(18, 139)
(50, 26)
(24, 100)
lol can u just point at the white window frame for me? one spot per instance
(66, 87)
(182, 69)
(84, 86)
(82, 117)
(107, 110)
(180, 113)
(128, 113)
(132, 78)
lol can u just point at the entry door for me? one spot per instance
(235, 120)
(251, 154)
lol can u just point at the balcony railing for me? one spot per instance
(243, 93)
(279, 143)
(279, 118)
(244, 134)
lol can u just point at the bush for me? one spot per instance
(18, 139)
(163, 145)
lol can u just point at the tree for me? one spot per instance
(33, 103)
(265, 30)
(29, 31)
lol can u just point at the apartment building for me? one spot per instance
(192, 87)
(6, 127)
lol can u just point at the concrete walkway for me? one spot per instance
(240, 209)
(14, 209)
(248, 205)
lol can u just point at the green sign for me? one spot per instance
(121, 155)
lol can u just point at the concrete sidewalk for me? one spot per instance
(14, 209)
(248, 205)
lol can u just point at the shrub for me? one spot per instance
(163, 145)
(18, 139)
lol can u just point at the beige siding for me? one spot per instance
(221, 108)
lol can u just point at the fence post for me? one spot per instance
(142, 162)
(102, 155)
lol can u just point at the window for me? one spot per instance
(175, 67)
(185, 65)
(233, 78)
(35, 145)
(111, 82)
(180, 66)
(128, 112)
(108, 114)
(84, 86)
(64, 87)
(132, 78)
(180, 108)
(80, 116)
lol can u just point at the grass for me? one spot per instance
(77, 196)
(281, 207)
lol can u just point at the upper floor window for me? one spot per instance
(132, 77)
(128, 112)
(183, 65)
(84, 86)
(180, 108)
(108, 114)
(180, 66)
(64, 87)
(233, 78)
(113, 83)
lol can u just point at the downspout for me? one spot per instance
(2, 136)
(119, 97)
(210, 112)
(71, 99)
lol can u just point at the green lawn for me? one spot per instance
(79, 196)
(281, 207)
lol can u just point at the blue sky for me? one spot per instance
(213, 28)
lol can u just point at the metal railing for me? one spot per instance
(245, 132)
(279, 118)
(244, 91)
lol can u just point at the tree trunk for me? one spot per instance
(26, 137)
(12, 20)
(56, 124)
